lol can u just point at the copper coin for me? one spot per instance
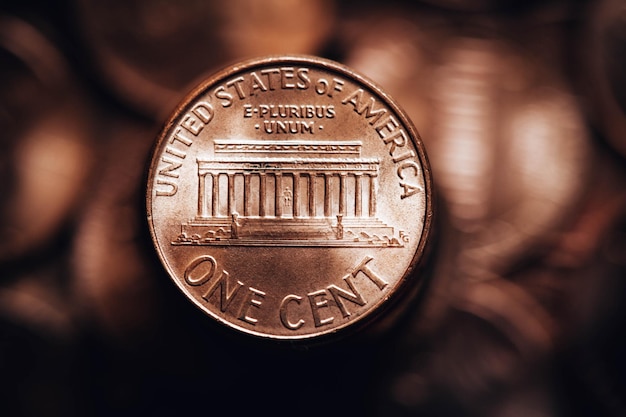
(290, 198)
(45, 148)
(505, 135)
(603, 63)
(132, 41)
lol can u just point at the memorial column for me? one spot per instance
(311, 195)
(215, 195)
(295, 199)
(231, 194)
(358, 198)
(327, 196)
(262, 194)
(372, 202)
(342, 194)
(246, 194)
(278, 194)
(202, 206)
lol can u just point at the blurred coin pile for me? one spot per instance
(522, 107)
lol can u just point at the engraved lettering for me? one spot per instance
(257, 84)
(336, 86)
(323, 86)
(306, 127)
(406, 155)
(203, 270)
(236, 83)
(179, 137)
(192, 124)
(204, 277)
(283, 311)
(388, 123)
(227, 295)
(278, 111)
(364, 107)
(170, 169)
(263, 110)
(288, 126)
(289, 111)
(226, 97)
(269, 72)
(389, 130)
(397, 140)
(319, 301)
(294, 111)
(303, 76)
(408, 165)
(340, 294)
(249, 302)
(204, 111)
(362, 267)
(409, 190)
(247, 110)
(173, 188)
(287, 74)
(175, 152)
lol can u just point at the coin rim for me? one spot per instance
(400, 288)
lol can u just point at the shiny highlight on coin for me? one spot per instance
(290, 198)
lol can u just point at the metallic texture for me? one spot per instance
(290, 198)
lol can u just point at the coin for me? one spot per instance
(602, 64)
(131, 43)
(45, 149)
(290, 198)
(106, 258)
(473, 5)
(505, 135)
(39, 344)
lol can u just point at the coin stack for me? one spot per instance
(430, 194)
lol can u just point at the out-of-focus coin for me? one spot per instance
(466, 368)
(603, 59)
(148, 51)
(290, 198)
(474, 5)
(269, 27)
(505, 136)
(44, 148)
(114, 287)
(40, 369)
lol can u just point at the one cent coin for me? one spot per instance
(290, 198)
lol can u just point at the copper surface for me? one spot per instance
(521, 108)
(289, 198)
(133, 42)
(45, 154)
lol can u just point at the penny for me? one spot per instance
(473, 5)
(132, 43)
(290, 198)
(39, 343)
(602, 64)
(45, 154)
(107, 248)
(269, 28)
(505, 136)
